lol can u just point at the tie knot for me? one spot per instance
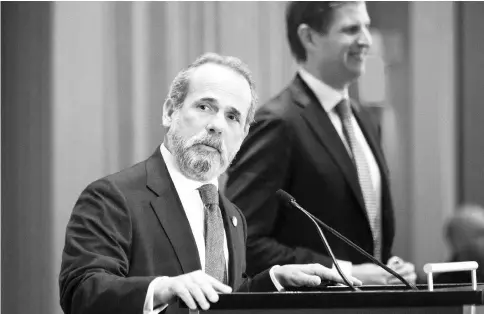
(343, 108)
(208, 194)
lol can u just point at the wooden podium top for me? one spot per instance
(342, 297)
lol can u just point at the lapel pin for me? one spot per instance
(234, 221)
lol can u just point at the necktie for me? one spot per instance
(369, 194)
(214, 234)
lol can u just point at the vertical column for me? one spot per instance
(210, 26)
(433, 126)
(140, 62)
(26, 147)
(176, 55)
(471, 86)
(240, 34)
(0, 182)
(256, 33)
(80, 112)
(277, 64)
(392, 20)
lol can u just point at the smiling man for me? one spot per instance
(318, 145)
(142, 237)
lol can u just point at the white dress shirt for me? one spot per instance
(194, 210)
(329, 97)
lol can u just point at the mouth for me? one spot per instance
(358, 55)
(209, 147)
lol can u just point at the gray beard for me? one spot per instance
(195, 163)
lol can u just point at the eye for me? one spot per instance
(352, 29)
(203, 106)
(233, 117)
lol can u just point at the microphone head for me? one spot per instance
(286, 197)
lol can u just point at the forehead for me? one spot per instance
(221, 83)
(350, 13)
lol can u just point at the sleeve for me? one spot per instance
(149, 307)
(95, 261)
(263, 166)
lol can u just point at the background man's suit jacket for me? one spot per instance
(127, 229)
(294, 146)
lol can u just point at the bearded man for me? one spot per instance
(142, 237)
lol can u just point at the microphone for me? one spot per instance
(286, 197)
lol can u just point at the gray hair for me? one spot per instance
(180, 85)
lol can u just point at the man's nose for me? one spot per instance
(217, 124)
(365, 38)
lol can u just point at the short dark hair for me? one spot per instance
(180, 85)
(316, 14)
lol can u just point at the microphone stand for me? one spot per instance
(350, 243)
(328, 248)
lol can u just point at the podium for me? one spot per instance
(445, 299)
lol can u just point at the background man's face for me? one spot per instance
(344, 47)
(207, 131)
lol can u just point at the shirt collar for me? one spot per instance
(328, 97)
(182, 183)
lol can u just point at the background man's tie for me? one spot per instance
(369, 194)
(214, 234)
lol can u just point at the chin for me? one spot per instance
(207, 172)
(355, 71)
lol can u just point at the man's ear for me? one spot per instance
(168, 110)
(306, 36)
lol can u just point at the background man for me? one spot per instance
(464, 233)
(312, 141)
(139, 238)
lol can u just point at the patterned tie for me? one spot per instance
(369, 194)
(214, 234)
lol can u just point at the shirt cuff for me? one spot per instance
(345, 266)
(148, 306)
(276, 283)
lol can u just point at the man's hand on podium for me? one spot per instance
(196, 289)
(309, 275)
(404, 269)
(372, 274)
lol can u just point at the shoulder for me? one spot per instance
(121, 183)
(282, 107)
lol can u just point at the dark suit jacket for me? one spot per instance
(130, 227)
(293, 146)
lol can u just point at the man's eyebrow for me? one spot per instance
(234, 111)
(208, 99)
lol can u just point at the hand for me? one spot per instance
(371, 274)
(308, 275)
(195, 289)
(404, 269)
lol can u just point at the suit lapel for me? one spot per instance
(170, 213)
(323, 128)
(235, 247)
